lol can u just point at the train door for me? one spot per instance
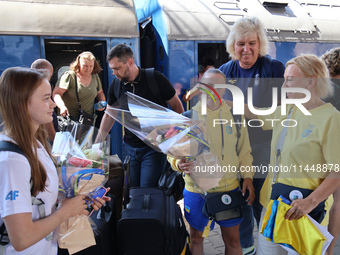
(62, 52)
(211, 52)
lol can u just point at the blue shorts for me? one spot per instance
(193, 204)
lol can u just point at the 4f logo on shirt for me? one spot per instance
(12, 195)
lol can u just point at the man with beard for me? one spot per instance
(146, 165)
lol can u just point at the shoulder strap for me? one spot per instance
(9, 146)
(116, 87)
(279, 144)
(150, 76)
(3, 235)
(76, 86)
(237, 120)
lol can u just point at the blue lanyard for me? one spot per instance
(70, 189)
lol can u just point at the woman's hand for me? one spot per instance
(99, 202)
(64, 111)
(184, 165)
(299, 208)
(74, 206)
(248, 185)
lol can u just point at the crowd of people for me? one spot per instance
(27, 94)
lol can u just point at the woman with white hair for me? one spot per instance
(247, 45)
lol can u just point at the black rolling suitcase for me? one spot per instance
(152, 224)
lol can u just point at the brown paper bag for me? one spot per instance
(76, 234)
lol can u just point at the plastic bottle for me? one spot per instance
(100, 105)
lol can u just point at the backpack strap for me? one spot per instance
(9, 146)
(116, 87)
(150, 76)
(3, 235)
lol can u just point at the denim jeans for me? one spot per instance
(261, 156)
(146, 165)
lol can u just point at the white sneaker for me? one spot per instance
(249, 251)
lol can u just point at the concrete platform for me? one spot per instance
(213, 244)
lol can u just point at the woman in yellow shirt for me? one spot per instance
(309, 157)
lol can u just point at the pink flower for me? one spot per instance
(79, 162)
(171, 132)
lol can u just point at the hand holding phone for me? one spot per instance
(100, 192)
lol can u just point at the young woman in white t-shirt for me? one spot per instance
(25, 104)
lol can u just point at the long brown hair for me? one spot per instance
(16, 87)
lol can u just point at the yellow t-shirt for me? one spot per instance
(213, 134)
(310, 150)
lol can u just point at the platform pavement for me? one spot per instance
(213, 244)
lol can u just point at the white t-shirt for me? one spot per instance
(15, 195)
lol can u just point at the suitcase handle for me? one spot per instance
(146, 203)
(126, 167)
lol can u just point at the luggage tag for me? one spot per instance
(98, 193)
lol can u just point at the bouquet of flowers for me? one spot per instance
(83, 164)
(168, 132)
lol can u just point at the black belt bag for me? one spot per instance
(85, 118)
(292, 193)
(223, 205)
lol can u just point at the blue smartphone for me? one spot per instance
(99, 192)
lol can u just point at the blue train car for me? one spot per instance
(188, 32)
(60, 30)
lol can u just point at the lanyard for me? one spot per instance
(69, 186)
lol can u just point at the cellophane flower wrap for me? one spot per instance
(83, 163)
(168, 132)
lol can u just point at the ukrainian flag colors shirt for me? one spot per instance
(310, 150)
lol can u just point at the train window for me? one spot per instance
(62, 70)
